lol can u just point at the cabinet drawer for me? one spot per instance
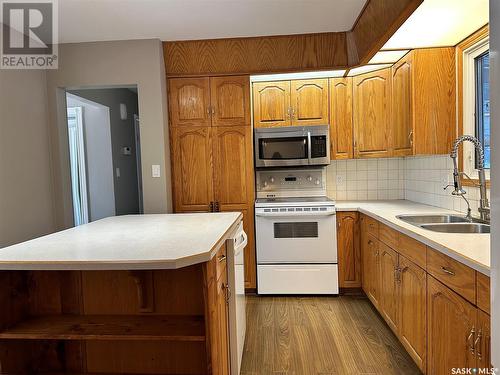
(220, 261)
(388, 236)
(412, 249)
(453, 274)
(370, 226)
(483, 292)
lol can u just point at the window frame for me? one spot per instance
(469, 104)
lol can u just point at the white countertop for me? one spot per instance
(126, 242)
(472, 250)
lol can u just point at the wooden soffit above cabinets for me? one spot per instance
(376, 23)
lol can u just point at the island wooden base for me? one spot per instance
(115, 322)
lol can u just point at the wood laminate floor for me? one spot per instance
(320, 336)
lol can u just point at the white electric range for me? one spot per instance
(295, 233)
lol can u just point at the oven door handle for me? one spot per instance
(309, 153)
(290, 214)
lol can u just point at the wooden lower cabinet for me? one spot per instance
(221, 366)
(437, 322)
(348, 249)
(451, 330)
(371, 268)
(389, 285)
(483, 344)
(412, 310)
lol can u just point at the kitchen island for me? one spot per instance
(142, 294)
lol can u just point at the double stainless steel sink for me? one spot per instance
(446, 223)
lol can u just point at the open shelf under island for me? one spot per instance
(83, 301)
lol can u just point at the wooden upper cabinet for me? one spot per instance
(372, 114)
(389, 285)
(341, 128)
(412, 310)
(349, 251)
(189, 101)
(192, 168)
(434, 99)
(271, 104)
(233, 166)
(451, 324)
(309, 101)
(230, 101)
(402, 107)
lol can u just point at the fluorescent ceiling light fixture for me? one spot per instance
(289, 76)
(367, 69)
(440, 23)
(388, 57)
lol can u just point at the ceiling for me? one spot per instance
(98, 20)
(438, 23)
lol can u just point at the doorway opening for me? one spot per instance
(104, 153)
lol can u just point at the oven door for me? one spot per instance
(284, 237)
(292, 146)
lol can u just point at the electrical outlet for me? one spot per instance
(155, 171)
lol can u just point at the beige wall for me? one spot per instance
(26, 206)
(118, 63)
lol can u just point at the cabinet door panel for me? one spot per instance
(222, 324)
(341, 128)
(271, 104)
(309, 99)
(451, 323)
(483, 346)
(349, 256)
(233, 160)
(388, 285)
(372, 110)
(230, 100)
(371, 273)
(189, 101)
(402, 107)
(192, 168)
(412, 308)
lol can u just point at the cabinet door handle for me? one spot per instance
(222, 258)
(213, 110)
(470, 340)
(447, 271)
(477, 344)
(227, 289)
(211, 207)
(208, 110)
(217, 208)
(410, 137)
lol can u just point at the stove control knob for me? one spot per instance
(316, 182)
(271, 179)
(265, 183)
(309, 178)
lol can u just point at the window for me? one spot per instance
(482, 66)
(476, 105)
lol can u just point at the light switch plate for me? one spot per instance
(155, 171)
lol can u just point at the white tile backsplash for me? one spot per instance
(367, 179)
(426, 177)
(418, 178)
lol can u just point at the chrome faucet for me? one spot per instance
(484, 205)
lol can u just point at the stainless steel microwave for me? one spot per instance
(292, 146)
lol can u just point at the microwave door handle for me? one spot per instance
(309, 146)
